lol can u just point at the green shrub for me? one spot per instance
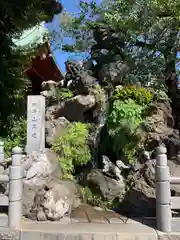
(94, 199)
(129, 107)
(90, 198)
(141, 96)
(63, 94)
(73, 148)
(123, 120)
(128, 110)
(16, 136)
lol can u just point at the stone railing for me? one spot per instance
(14, 178)
(164, 201)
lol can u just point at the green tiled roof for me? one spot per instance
(33, 36)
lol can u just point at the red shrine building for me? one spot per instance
(42, 68)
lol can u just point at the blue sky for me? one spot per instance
(72, 7)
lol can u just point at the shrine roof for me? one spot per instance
(34, 36)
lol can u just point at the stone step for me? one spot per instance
(87, 231)
(131, 230)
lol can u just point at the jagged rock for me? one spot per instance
(79, 76)
(59, 201)
(115, 71)
(160, 123)
(54, 126)
(115, 169)
(45, 196)
(59, 115)
(140, 199)
(158, 128)
(52, 202)
(49, 85)
(73, 109)
(40, 166)
(109, 187)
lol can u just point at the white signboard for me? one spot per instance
(35, 123)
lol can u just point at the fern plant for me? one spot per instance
(123, 120)
(73, 148)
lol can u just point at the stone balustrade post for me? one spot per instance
(163, 194)
(15, 189)
(1, 151)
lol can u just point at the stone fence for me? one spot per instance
(164, 201)
(14, 178)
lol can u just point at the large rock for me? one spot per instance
(158, 128)
(59, 115)
(60, 200)
(54, 127)
(79, 77)
(109, 188)
(40, 167)
(160, 123)
(45, 196)
(52, 202)
(73, 109)
(115, 71)
(140, 199)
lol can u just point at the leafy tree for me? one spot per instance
(142, 34)
(15, 17)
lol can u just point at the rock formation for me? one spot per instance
(46, 196)
(80, 79)
(109, 188)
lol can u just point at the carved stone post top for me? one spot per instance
(16, 150)
(161, 150)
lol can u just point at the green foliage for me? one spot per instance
(16, 136)
(123, 120)
(133, 31)
(95, 199)
(73, 148)
(15, 17)
(141, 96)
(90, 198)
(63, 94)
(130, 106)
(125, 110)
(59, 95)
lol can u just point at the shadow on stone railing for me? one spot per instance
(164, 201)
(15, 180)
